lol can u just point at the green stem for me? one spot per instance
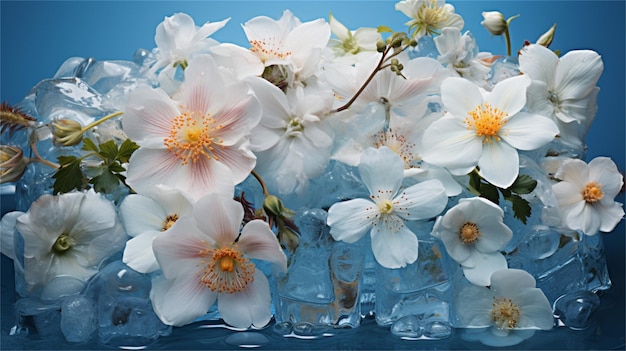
(103, 119)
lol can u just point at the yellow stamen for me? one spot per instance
(192, 137)
(469, 233)
(385, 207)
(226, 271)
(505, 313)
(268, 49)
(593, 192)
(487, 121)
(169, 222)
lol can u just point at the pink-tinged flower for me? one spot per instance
(198, 144)
(206, 257)
(485, 130)
(586, 193)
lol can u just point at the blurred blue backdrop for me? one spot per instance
(38, 36)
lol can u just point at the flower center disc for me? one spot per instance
(505, 313)
(63, 243)
(385, 207)
(227, 271)
(469, 233)
(191, 137)
(487, 121)
(593, 192)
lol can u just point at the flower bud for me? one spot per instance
(380, 46)
(494, 22)
(67, 132)
(12, 163)
(273, 206)
(546, 38)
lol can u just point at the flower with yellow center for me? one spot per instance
(383, 214)
(509, 310)
(586, 194)
(428, 17)
(206, 256)
(474, 233)
(198, 144)
(485, 129)
(146, 216)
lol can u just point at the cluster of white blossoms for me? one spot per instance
(281, 109)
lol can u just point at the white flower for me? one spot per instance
(563, 89)
(586, 194)
(286, 42)
(495, 22)
(206, 257)
(352, 46)
(178, 39)
(473, 233)
(198, 144)
(384, 213)
(145, 217)
(460, 53)
(68, 235)
(485, 130)
(292, 141)
(510, 304)
(429, 16)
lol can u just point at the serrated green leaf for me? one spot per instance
(108, 150)
(106, 182)
(69, 176)
(126, 150)
(524, 184)
(89, 145)
(521, 208)
(116, 168)
(384, 29)
(489, 192)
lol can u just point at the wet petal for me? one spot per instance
(248, 307)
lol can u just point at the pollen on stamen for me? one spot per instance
(593, 192)
(487, 121)
(191, 138)
(226, 271)
(268, 48)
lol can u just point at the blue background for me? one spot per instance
(37, 37)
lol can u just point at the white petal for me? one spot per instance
(381, 171)
(248, 307)
(421, 201)
(577, 73)
(458, 250)
(204, 87)
(243, 62)
(574, 171)
(219, 216)
(494, 235)
(350, 220)
(148, 114)
(610, 216)
(539, 63)
(509, 95)
(536, 311)
(203, 177)
(140, 213)
(473, 305)
(537, 99)
(448, 143)
(180, 301)
(394, 249)
(604, 171)
(238, 159)
(7, 233)
(499, 164)
(509, 282)
(258, 241)
(483, 266)
(460, 96)
(138, 253)
(178, 251)
(528, 131)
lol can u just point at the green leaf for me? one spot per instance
(69, 176)
(384, 29)
(521, 207)
(106, 182)
(126, 150)
(524, 184)
(89, 145)
(108, 150)
(490, 192)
